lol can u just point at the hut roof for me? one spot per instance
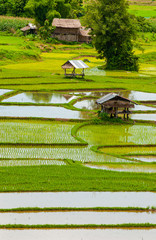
(113, 96)
(28, 27)
(66, 23)
(75, 64)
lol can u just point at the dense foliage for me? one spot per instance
(41, 9)
(113, 32)
(13, 7)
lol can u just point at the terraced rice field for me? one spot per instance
(36, 132)
(51, 140)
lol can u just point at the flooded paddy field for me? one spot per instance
(65, 97)
(77, 199)
(143, 116)
(144, 158)
(77, 218)
(26, 131)
(40, 97)
(40, 112)
(9, 163)
(132, 150)
(125, 167)
(3, 91)
(79, 234)
(132, 95)
(118, 134)
(81, 154)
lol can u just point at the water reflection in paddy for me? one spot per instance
(41, 112)
(142, 96)
(77, 199)
(144, 158)
(77, 218)
(89, 104)
(79, 234)
(132, 95)
(39, 97)
(124, 169)
(143, 116)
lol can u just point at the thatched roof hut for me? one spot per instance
(70, 30)
(115, 104)
(74, 64)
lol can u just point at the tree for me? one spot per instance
(113, 33)
(43, 10)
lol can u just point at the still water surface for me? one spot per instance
(41, 112)
(77, 218)
(143, 116)
(144, 158)
(78, 234)
(39, 97)
(3, 91)
(124, 169)
(77, 199)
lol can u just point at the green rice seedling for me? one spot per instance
(122, 151)
(125, 134)
(72, 178)
(32, 132)
(81, 154)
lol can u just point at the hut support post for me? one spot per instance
(82, 72)
(127, 113)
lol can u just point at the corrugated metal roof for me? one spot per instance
(111, 96)
(78, 64)
(32, 26)
(106, 98)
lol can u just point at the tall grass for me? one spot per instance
(9, 24)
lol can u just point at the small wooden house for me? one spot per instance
(114, 104)
(29, 29)
(70, 30)
(74, 64)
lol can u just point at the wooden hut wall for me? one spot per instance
(60, 30)
(83, 38)
(66, 37)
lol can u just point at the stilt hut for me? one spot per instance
(114, 104)
(74, 64)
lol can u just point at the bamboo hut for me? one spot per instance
(70, 30)
(114, 104)
(74, 64)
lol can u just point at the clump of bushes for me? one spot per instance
(104, 117)
(145, 25)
